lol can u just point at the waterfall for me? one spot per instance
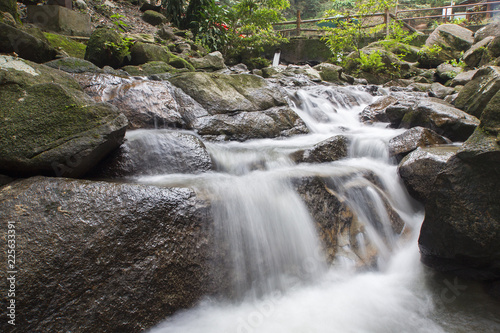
(281, 280)
(276, 58)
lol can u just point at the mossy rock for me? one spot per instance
(150, 68)
(105, 48)
(25, 44)
(9, 6)
(72, 48)
(256, 63)
(154, 18)
(405, 51)
(211, 62)
(142, 53)
(49, 125)
(74, 65)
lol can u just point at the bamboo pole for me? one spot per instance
(298, 22)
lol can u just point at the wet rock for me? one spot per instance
(28, 46)
(419, 169)
(73, 65)
(107, 249)
(413, 138)
(9, 6)
(150, 68)
(211, 62)
(477, 93)
(50, 126)
(452, 38)
(103, 48)
(440, 117)
(147, 104)
(4, 180)
(461, 230)
(325, 151)
(155, 152)
(440, 91)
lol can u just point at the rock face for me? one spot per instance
(106, 257)
(142, 53)
(49, 125)
(153, 18)
(103, 48)
(238, 107)
(475, 54)
(413, 138)
(26, 45)
(477, 93)
(447, 72)
(9, 6)
(492, 29)
(146, 152)
(452, 38)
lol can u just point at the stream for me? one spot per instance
(281, 278)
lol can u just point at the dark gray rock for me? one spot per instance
(104, 48)
(463, 78)
(328, 150)
(440, 117)
(103, 257)
(375, 112)
(155, 152)
(452, 38)
(440, 91)
(413, 138)
(446, 72)
(419, 169)
(154, 18)
(492, 29)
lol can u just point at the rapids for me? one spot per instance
(281, 279)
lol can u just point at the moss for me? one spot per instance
(178, 62)
(72, 48)
(9, 6)
(154, 18)
(35, 119)
(257, 63)
(105, 48)
(150, 68)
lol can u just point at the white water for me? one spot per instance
(281, 280)
(276, 59)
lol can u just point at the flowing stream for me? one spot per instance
(282, 280)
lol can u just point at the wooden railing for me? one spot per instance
(403, 16)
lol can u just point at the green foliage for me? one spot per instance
(117, 21)
(122, 48)
(371, 63)
(238, 26)
(339, 5)
(348, 34)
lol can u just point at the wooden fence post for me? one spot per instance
(298, 22)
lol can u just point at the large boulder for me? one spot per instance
(414, 138)
(440, 117)
(446, 72)
(329, 72)
(153, 152)
(239, 106)
(26, 45)
(461, 230)
(105, 48)
(440, 91)
(461, 79)
(104, 257)
(50, 126)
(452, 39)
(477, 93)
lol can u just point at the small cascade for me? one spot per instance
(281, 278)
(276, 58)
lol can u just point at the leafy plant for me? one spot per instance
(371, 63)
(118, 22)
(121, 48)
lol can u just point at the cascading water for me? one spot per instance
(280, 280)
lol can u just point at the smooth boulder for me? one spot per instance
(106, 257)
(452, 39)
(413, 138)
(105, 48)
